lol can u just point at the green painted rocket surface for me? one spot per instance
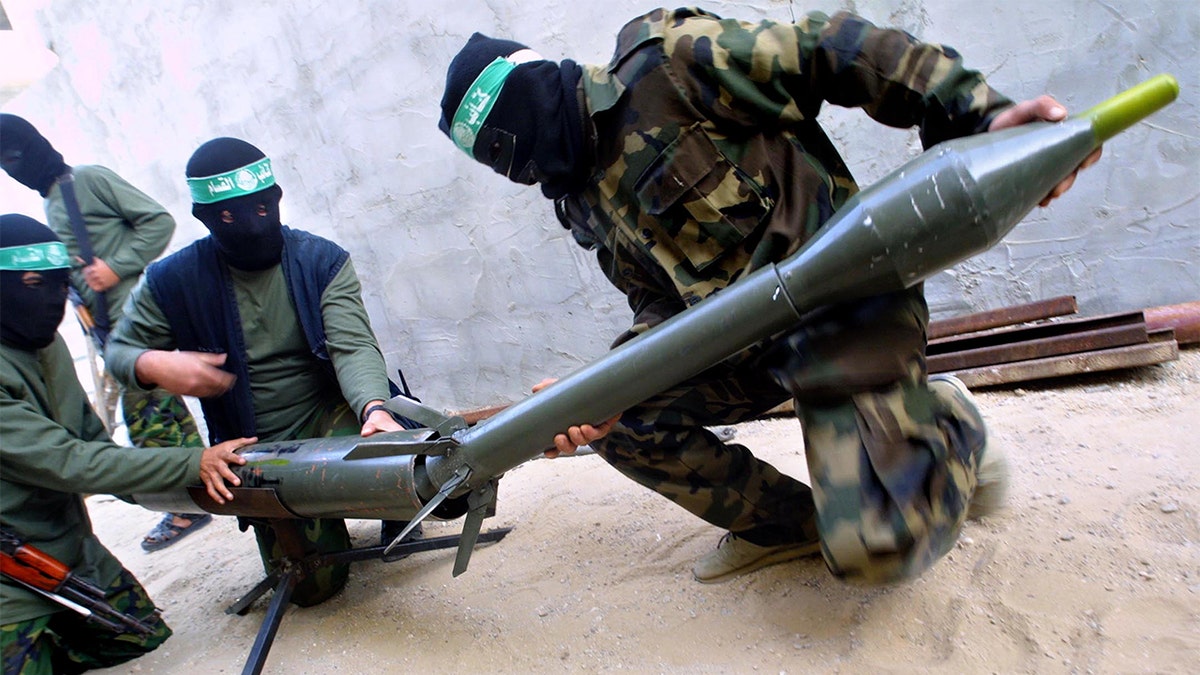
(954, 201)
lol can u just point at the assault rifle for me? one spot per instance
(45, 575)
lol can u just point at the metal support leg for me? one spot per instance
(270, 624)
(243, 603)
(291, 571)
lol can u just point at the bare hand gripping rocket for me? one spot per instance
(954, 201)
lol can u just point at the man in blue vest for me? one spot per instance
(265, 324)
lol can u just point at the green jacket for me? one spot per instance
(53, 449)
(709, 161)
(128, 230)
(288, 386)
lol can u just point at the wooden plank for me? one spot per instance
(1071, 364)
(1004, 316)
(1070, 343)
(1039, 331)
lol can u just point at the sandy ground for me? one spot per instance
(1094, 567)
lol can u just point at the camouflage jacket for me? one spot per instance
(709, 162)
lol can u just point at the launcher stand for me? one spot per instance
(292, 570)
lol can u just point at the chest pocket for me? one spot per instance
(698, 199)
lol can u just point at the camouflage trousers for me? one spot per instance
(64, 642)
(892, 464)
(158, 419)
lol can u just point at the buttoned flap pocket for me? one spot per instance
(698, 199)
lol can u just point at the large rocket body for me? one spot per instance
(954, 201)
(310, 479)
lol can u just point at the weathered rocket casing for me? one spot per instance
(954, 201)
(309, 479)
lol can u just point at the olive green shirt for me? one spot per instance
(128, 230)
(288, 385)
(52, 449)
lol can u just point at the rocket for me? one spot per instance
(954, 201)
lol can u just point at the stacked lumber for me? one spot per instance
(1031, 341)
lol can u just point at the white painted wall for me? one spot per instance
(471, 284)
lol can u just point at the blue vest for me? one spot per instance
(194, 291)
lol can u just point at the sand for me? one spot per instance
(1093, 567)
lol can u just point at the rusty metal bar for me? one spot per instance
(476, 415)
(1162, 335)
(1010, 335)
(1184, 318)
(1004, 316)
(1071, 364)
(1070, 343)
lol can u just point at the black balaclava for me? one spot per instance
(30, 315)
(27, 156)
(251, 241)
(534, 132)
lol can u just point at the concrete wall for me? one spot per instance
(471, 284)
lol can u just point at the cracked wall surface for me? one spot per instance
(472, 286)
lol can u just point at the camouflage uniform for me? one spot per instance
(708, 164)
(158, 419)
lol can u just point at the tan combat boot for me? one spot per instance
(734, 557)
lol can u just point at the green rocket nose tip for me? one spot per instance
(1122, 111)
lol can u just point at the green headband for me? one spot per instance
(237, 183)
(50, 255)
(478, 102)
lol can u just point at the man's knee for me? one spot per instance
(894, 472)
(884, 556)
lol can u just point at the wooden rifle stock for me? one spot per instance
(46, 575)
